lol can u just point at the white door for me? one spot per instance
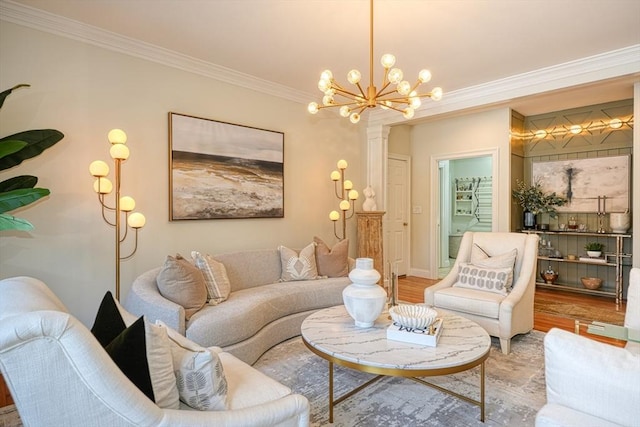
(397, 216)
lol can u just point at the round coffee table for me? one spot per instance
(332, 335)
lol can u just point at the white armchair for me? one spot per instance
(502, 316)
(59, 374)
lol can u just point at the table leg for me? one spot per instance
(330, 392)
(482, 392)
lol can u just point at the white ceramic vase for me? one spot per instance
(619, 222)
(364, 299)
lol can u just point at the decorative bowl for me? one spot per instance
(549, 278)
(591, 282)
(413, 316)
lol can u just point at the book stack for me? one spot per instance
(600, 260)
(399, 333)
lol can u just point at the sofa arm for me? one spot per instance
(144, 298)
(591, 377)
(289, 411)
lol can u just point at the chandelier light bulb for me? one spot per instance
(324, 85)
(334, 216)
(348, 185)
(408, 113)
(313, 107)
(345, 111)
(327, 100)
(436, 94)
(127, 204)
(385, 105)
(345, 205)
(98, 168)
(335, 176)
(388, 60)
(117, 136)
(353, 195)
(342, 164)
(615, 124)
(119, 152)
(102, 186)
(404, 87)
(330, 92)
(424, 76)
(395, 76)
(326, 75)
(136, 220)
(354, 118)
(575, 129)
(354, 77)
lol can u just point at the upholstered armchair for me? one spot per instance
(477, 287)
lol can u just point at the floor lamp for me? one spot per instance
(347, 196)
(124, 206)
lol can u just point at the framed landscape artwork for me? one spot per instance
(222, 170)
(582, 181)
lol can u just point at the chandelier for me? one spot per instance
(403, 98)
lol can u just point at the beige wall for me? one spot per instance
(84, 91)
(454, 138)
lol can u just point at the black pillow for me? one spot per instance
(108, 323)
(129, 351)
(126, 346)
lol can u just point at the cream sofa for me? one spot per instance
(59, 375)
(260, 312)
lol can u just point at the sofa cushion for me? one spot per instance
(486, 304)
(215, 277)
(199, 373)
(484, 279)
(140, 350)
(265, 267)
(181, 282)
(249, 310)
(332, 262)
(298, 266)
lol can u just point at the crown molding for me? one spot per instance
(617, 63)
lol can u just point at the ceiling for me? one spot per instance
(463, 42)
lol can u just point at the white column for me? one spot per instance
(377, 149)
(635, 183)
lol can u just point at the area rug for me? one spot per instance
(514, 389)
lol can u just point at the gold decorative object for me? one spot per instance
(347, 196)
(123, 208)
(403, 98)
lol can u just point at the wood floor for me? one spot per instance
(411, 289)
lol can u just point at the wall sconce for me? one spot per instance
(347, 196)
(123, 205)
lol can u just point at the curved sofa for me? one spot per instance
(260, 312)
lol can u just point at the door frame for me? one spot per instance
(385, 248)
(435, 211)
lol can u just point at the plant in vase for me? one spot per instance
(534, 201)
(594, 249)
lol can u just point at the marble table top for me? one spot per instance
(333, 332)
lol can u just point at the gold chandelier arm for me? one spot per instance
(391, 107)
(344, 92)
(361, 91)
(135, 248)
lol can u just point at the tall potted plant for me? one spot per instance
(21, 190)
(534, 201)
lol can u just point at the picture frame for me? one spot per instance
(220, 170)
(585, 181)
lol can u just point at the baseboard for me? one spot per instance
(416, 272)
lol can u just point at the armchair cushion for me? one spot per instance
(497, 280)
(108, 323)
(486, 304)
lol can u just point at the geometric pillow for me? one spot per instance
(300, 266)
(215, 277)
(484, 279)
(181, 282)
(199, 375)
(332, 262)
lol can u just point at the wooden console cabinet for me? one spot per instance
(370, 238)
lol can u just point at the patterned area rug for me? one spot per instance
(514, 389)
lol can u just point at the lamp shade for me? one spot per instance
(117, 136)
(119, 151)
(99, 168)
(348, 185)
(127, 204)
(345, 205)
(342, 164)
(136, 220)
(353, 195)
(102, 186)
(334, 216)
(335, 176)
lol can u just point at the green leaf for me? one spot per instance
(37, 141)
(11, 146)
(17, 198)
(18, 182)
(8, 222)
(7, 92)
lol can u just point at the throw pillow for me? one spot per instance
(300, 266)
(200, 377)
(485, 279)
(481, 258)
(141, 351)
(332, 262)
(215, 277)
(181, 282)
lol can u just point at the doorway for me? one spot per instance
(465, 201)
(397, 217)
